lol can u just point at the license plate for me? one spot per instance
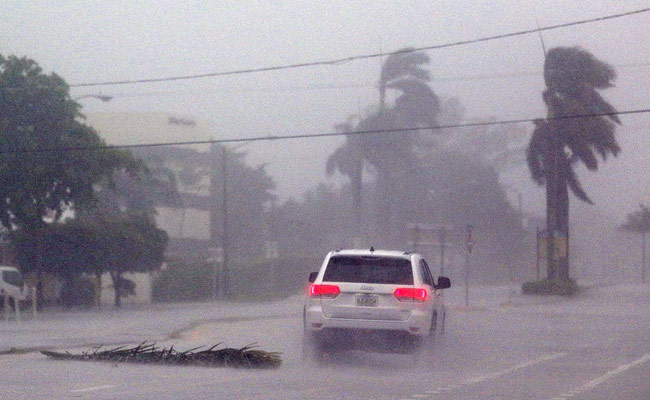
(367, 300)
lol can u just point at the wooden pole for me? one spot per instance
(34, 298)
(643, 256)
(443, 234)
(5, 303)
(537, 253)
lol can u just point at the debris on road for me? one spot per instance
(149, 353)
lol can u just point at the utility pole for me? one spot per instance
(537, 253)
(469, 243)
(217, 275)
(643, 256)
(224, 208)
(416, 240)
(443, 236)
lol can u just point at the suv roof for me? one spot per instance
(377, 253)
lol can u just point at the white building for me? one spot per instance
(185, 223)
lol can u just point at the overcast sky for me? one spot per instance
(90, 41)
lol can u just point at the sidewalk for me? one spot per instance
(136, 324)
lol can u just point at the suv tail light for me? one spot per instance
(410, 294)
(329, 291)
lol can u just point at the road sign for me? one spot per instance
(427, 234)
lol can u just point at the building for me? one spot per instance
(187, 223)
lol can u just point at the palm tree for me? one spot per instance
(390, 154)
(639, 222)
(573, 77)
(349, 161)
(404, 63)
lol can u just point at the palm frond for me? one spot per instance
(332, 162)
(573, 182)
(418, 104)
(597, 105)
(537, 152)
(404, 64)
(569, 68)
(149, 353)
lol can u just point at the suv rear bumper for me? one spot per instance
(417, 324)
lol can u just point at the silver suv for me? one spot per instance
(372, 300)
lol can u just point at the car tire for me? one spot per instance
(442, 325)
(427, 344)
(434, 324)
(312, 349)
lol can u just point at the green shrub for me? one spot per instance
(255, 280)
(78, 291)
(271, 279)
(551, 287)
(183, 281)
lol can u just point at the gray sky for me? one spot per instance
(88, 41)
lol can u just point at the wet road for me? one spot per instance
(592, 347)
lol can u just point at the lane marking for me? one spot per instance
(493, 375)
(92, 388)
(517, 367)
(620, 369)
(603, 378)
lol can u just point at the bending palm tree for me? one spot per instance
(390, 154)
(349, 161)
(572, 77)
(402, 64)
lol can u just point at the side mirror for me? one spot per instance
(443, 283)
(312, 276)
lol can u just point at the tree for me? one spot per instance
(130, 243)
(404, 63)
(348, 160)
(114, 244)
(639, 222)
(37, 118)
(391, 154)
(40, 175)
(567, 136)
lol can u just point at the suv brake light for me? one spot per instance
(410, 294)
(324, 290)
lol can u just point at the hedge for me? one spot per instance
(551, 287)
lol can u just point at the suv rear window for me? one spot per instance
(369, 269)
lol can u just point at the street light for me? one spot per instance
(102, 97)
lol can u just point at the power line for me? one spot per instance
(350, 85)
(339, 86)
(318, 135)
(362, 56)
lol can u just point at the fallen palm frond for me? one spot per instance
(149, 353)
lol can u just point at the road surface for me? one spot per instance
(592, 347)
